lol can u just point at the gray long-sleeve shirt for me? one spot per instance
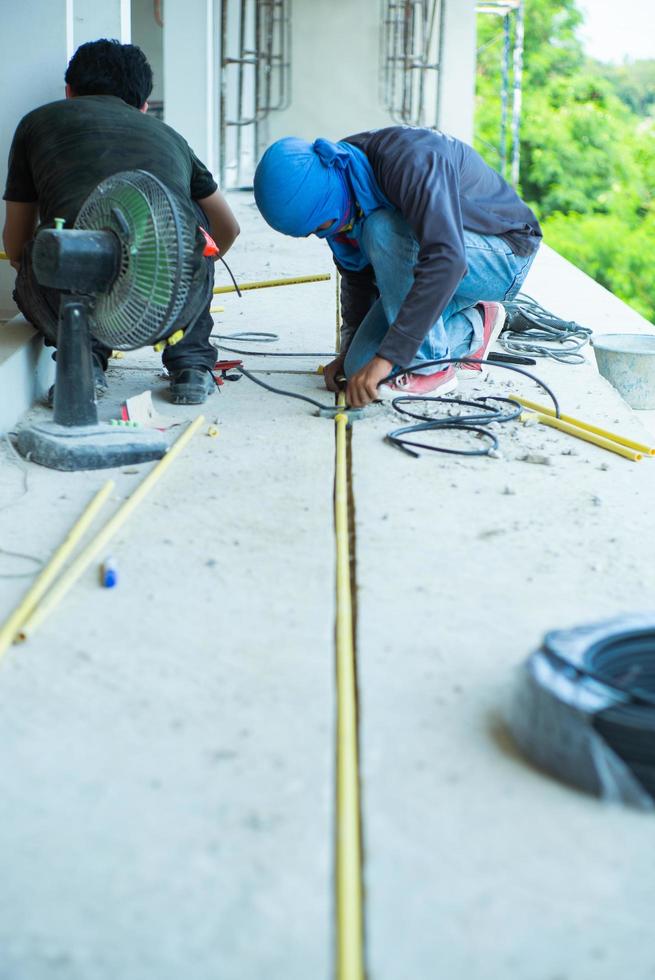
(441, 186)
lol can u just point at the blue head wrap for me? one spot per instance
(301, 185)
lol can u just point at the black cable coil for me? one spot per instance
(584, 709)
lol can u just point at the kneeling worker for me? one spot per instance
(428, 239)
(63, 150)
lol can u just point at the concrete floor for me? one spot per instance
(166, 748)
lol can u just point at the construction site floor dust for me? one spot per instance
(167, 747)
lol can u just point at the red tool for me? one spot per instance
(223, 367)
(211, 249)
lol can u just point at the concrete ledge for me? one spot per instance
(26, 370)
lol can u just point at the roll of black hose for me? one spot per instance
(584, 708)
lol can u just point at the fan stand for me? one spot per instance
(75, 440)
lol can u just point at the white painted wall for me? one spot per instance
(33, 45)
(336, 70)
(93, 20)
(191, 74)
(458, 55)
(335, 73)
(37, 38)
(150, 38)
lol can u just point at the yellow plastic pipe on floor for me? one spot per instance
(88, 554)
(269, 283)
(584, 434)
(640, 447)
(12, 625)
(349, 895)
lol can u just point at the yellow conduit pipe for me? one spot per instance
(269, 283)
(24, 609)
(349, 901)
(573, 430)
(640, 447)
(91, 551)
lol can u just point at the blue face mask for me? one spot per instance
(338, 224)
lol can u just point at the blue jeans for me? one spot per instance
(493, 273)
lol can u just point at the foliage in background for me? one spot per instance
(587, 147)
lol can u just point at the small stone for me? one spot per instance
(495, 454)
(596, 501)
(492, 532)
(572, 451)
(539, 459)
(604, 467)
(509, 491)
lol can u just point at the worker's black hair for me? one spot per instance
(110, 68)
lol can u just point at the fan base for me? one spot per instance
(89, 447)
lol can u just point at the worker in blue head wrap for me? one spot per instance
(319, 188)
(427, 239)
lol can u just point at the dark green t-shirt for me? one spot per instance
(61, 152)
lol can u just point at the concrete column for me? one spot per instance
(36, 43)
(191, 62)
(457, 88)
(93, 20)
(33, 48)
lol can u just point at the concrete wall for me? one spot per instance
(147, 33)
(191, 74)
(36, 41)
(40, 66)
(337, 68)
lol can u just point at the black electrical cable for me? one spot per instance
(236, 284)
(587, 697)
(282, 391)
(263, 337)
(462, 423)
(398, 437)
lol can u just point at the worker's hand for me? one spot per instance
(363, 386)
(332, 371)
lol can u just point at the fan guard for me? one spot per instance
(157, 264)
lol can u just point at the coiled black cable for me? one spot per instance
(463, 423)
(466, 424)
(585, 709)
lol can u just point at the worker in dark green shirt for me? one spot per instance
(63, 150)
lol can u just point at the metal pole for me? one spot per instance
(504, 94)
(516, 105)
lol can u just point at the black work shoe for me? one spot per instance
(191, 386)
(99, 380)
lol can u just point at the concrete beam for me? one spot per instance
(191, 74)
(457, 88)
(91, 20)
(26, 370)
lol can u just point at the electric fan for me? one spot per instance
(125, 271)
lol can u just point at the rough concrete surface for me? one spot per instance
(477, 865)
(166, 748)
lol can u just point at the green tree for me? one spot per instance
(587, 158)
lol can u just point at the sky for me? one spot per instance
(618, 29)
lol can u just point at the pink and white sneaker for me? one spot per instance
(440, 383)
(493, 319)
